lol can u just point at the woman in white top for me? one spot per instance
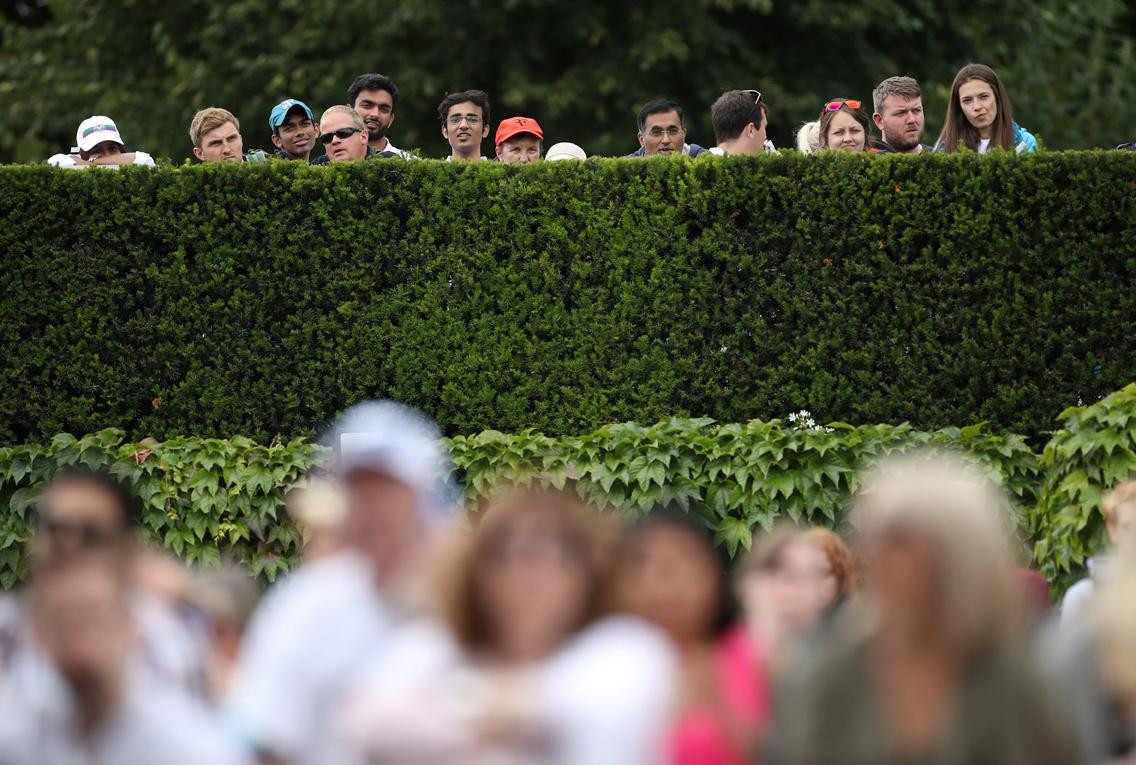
(980, 117)
(523, 666)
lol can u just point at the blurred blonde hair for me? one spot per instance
(964, 518)
(1115, 621)
(1123, 495)
(808, 137)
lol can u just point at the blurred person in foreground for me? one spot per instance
(525, 664)
(104, 711)
(1092, 657)
(82, 512)
(1119, 511)
(98, 144)
(672, 574)
(312, 632)
(792, 585)
(930, 666)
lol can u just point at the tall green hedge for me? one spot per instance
(260, 300)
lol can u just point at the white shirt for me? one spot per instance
(310, 635)
(604, 698)
(392, 148)
(154, 723)
(718, 151)
(68, 160)
(983, 145)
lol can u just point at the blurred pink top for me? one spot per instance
(723, 733)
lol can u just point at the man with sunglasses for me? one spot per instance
(344, 137)
(465, 123)
(740, 119)
(662, 131)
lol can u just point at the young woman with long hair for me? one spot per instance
(980, 117)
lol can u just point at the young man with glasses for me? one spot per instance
(293, 132)
(740, 119)
(344, 136)
(662, 131)
(465, 123)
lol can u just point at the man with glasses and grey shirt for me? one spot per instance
(465, 123)
(662, 131)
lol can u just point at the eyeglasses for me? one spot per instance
(456, 119)
(326, 138)
(835, 105)
(754, 94)
(658, 132)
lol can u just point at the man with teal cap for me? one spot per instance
(293, 131)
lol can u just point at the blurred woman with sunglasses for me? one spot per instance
(844, 126)
(525, 665)
(979, 115)
(931, 665)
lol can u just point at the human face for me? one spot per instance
(1123, 525)
(520, 149)
(755, 143)
(845, 133)
(465, 129)
(976, 98)
(346, 149)
(78, 517)
(382, 520)
(296, 136)
(533, 589)
(103, 149)
(901, 573)
(901, 122)
(221, 144)
(83, 626)
(672, 579)
(376, 107)
(662, 133)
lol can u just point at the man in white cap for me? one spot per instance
(312, 632)
(97, 142)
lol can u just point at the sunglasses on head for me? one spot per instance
(326, 138)
(755, 94)
(835, 105)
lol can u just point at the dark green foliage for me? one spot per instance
(261, 300)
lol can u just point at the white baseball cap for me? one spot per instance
(564, 151)
(94, 130)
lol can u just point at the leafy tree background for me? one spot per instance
(581, 68)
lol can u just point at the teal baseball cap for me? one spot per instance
(280, 111)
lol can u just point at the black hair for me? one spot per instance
(478, 97)
(124, 497)
(372, 82)
(672, 517)
(733, 110)
(658, 106)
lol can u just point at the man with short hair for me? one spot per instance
(465, 123)
(216, 137)
(740, 119)
(98, 144)
(519, 140)
(662, 131)
(344, 136)
(898, 103)
(315, 631)
(375, 98)
(293, 132)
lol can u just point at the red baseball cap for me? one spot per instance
(515, 126)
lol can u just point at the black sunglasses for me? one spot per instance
(326, 138)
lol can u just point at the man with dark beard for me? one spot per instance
(375, 97)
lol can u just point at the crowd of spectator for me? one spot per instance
(538, 629)
(979, 118)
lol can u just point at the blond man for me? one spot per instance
(344, 136)
(216, 137)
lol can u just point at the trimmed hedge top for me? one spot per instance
(260, 300)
